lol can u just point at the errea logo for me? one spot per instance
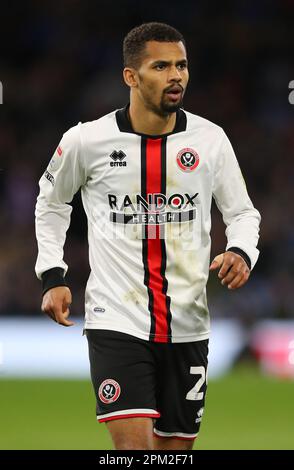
(199, 414)
(117, 158)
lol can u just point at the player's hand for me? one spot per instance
(234, 271)
(56, 303)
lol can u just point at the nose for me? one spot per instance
(174, 75)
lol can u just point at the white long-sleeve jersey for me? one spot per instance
(148, 203)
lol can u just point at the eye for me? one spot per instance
(159, 67)
(182, 66)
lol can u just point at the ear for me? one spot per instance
(130, 77)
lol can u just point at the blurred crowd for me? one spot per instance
(61, 63)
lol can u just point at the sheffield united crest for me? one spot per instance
(188, 159)
(109, 391)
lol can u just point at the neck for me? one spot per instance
(145, 121)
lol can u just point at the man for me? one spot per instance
(147, 175)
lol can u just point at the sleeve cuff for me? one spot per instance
(52, 278)
(242, 253)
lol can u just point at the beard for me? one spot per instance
(167, 107)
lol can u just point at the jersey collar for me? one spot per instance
(124, 123)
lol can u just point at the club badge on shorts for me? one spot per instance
(188, 159)
(109, 391)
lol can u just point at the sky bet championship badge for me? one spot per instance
(109, 391)
(188, 159)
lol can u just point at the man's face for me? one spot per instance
(163, 76)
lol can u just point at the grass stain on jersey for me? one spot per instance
(135, 297)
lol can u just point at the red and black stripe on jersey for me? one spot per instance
(153, 180)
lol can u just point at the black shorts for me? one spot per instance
(164, 381)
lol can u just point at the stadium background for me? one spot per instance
(60, 63)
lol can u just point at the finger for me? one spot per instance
(214, 265)
(243, 280)
(235, 270)
(226, 266)
(66, 307)
(237, 279)
(61, 318)
(217, 262)
(66, 313)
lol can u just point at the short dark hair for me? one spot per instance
(135, 40)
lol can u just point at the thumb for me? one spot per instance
(66, 311)
(61, 317)
(217, 262)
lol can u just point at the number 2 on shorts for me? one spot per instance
(194, 393)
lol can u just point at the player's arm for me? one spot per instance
(241, 218)
(60, 181)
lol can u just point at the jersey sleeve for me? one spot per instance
(63, 177)
(229, 191)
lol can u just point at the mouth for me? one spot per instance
(175, 92)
